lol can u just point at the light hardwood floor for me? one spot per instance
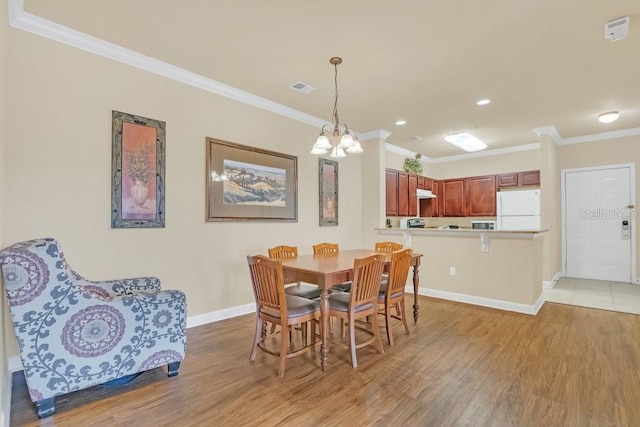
(462, 365)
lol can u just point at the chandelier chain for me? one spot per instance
(336, 117)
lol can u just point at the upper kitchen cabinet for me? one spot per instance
(413, 200)
(518, 179)
(529, 178)
(506, 180)
(453, 201)
(431, 207)
(481, 195)
(403, 193)
(391, 178)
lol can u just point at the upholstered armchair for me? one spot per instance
(74, 333)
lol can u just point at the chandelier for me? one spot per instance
(337, 137)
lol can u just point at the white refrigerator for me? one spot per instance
(518, 210)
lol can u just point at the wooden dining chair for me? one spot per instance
(391, 293)
(325, 248)
(275, 306)
(331, 248)
(359, 308)
(387, 246)
(298, 289)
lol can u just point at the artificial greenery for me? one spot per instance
(140, 163)
(413, 164)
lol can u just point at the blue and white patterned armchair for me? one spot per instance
(74, 333)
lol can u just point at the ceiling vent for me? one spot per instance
(617, 29)
(302, 87)
(415, 138)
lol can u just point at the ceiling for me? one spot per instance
(541, 62)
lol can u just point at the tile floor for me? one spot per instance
(614, 296)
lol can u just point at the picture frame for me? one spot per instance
(328, 185)
(246, 183)
(137, 171)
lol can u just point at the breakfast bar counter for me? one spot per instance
(493, 268)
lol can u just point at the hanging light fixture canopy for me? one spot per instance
(336, 137)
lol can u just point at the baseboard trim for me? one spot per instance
(14, 364)
(216, 316)
(481, 301)
(550, 284)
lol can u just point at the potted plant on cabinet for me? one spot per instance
(413, 164)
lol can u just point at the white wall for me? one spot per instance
(4, 379)
(59, 168)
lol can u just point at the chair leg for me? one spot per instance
(376, 333)
(284, 343)
(352, 342)
(173, 368)
(387, 323)
(257, 337)
(403, 314)
(46, 407)
(304, 328)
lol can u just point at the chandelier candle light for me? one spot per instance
(338, 139)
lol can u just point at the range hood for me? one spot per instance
(425, 194)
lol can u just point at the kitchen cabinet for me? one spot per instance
(507, 180)
(413, 200)
(453, 197)
(403, 193)
(430, 207)
(480, 192)
(528, 178)
(468, 196)
(391, 192)
(518, 179)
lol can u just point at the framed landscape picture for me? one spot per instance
(137, 171)
(250, 184)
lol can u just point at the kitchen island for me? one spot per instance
(493, 268)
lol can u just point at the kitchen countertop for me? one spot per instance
(432, 230)
(483, 235)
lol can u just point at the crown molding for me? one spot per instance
(559, 140)
(374, 134)
(486, 153)
(551, 131)
(402, 151)
(25, 21)
(622, 133)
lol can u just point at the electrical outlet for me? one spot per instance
(452, 271)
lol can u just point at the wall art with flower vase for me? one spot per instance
(137, 170)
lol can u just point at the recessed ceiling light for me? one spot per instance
(608, 117)
(483, 102)
(466, 141)
(401, 122)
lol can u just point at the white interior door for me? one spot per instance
(596, 205)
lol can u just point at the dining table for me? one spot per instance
(328, 270)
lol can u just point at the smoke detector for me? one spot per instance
(617, 29)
